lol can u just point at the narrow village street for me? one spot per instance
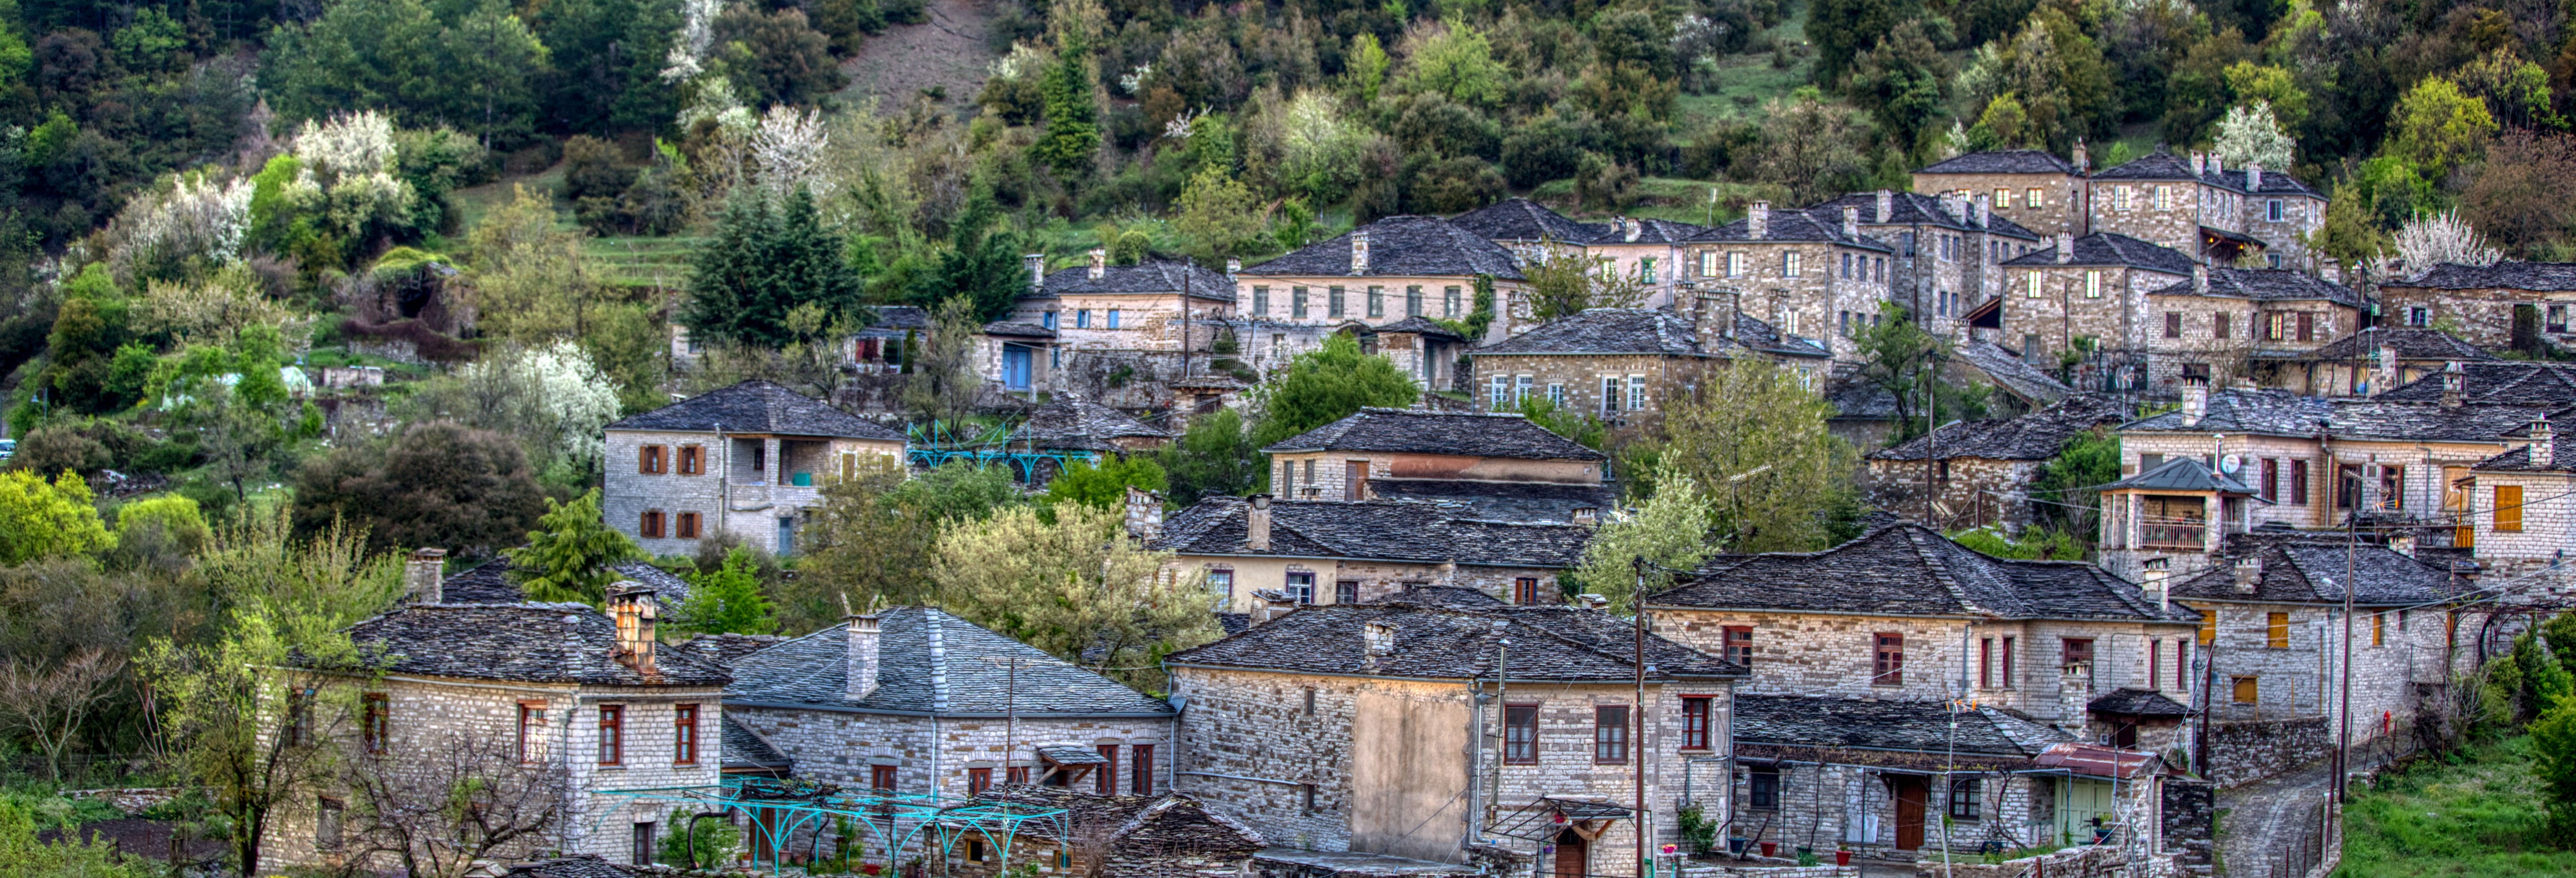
(2260, 820)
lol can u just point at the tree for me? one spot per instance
(2436, 127)
(531, 282)
(1903, 83)
(437, 484)
(775, 57)
(1898, 356)
(41, 519)
(2249, 135)
(1104, 485)
(982, 264)
(1564, 282)
(942, 383)
(68, 855)
(1456, 61)
(474, 69)
(727, 600)
(550, 397)
(49, 704)
(1219, 215)
(490, 62)
(1670, 530)
(442, 801)
(1755, 442)
(1072, 112)
(2426, 241)
(2089, 459)
(1365, 72)
(2553, 750)
(1327, 384)
(1812, 147)
(1842, 28)
(1077, 588)
(1215, 457)
(567, 556)
(2521, 193)
(764, 262)
(872, 539)
(608, 56)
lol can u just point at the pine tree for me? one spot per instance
(1073, 118)
(567, 556)
(728, 600)
(765, 262)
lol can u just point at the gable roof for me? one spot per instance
(1149, 276)
(1793, 226)
(1520, 219)
(1390, 530)
(1651, 331)
(1399, 246)
(932, 662)
(1535, 502)
(2180, 474)
(1910, 570)
(1413, 431)
(2411, 344)
(2039, 435)
(490, 583)
(2001, 161)
(2114, 249)
(2510, 274)
(2009, 371)
(2157, 165)
(1649, 231)
(1417, 325)
(2268, 285)
(2276, 181)
(1073, 422)
(2137, 702)
(1904, 726)
(2310, 570)
(744, 748)
(2512, 382)
(1562, 644)
(519, 642)
(1918, 209)
(1148, 825)
(2270, 412)
(756, 407)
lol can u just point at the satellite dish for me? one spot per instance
(2231, 463)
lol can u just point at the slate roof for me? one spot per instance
(1794, 226)
(1455, 597)
(1918, 209)
(1861, 400)
(1150, 276)
(2269, 285)
(756, 407)
(1651, 331)
(1552, 502)
(2510, 274)
(1135, 825)
(2001, 161)
(2009, 371)
(2410, 413)
(2562, 458)
(2411, 344)
(744, 748)
(1562, 644)
(1649, 231)
(2158, 165)
(900, 317)
(1764, 337)
(520, 642)
(2180, 474)
(2270, 412)
(2276, 181)
(1071, 421)
(1017, 330)
(1390, 530)
(490, 583)
(1911, 570)
(2111, 248)
(1419, 325)
(2137, 702)
(2513, 382)
(2482, 422)
(2039, 435)
(965, 671)
(1410, 431)
(1520, 219)
(1916, 726)
(2307, 569)
(724, 649)
(1400, 246)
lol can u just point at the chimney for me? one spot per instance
(1256, 524)
(1099, 263)
(2195, 397)
(1985, 210)
(2156, 578)
(2081, 159)
(1273, 605)
(423, 579)
(1381, 638)
(2253, 176)
(1636, 229)
(1359, 251)
(2544, 444)
(2383, 369)
(1144, 513)
(630, 605)
(1757, 220)
(2065, 248)
(1886, 206)
(2249, 572)
(1851, 221)
(2198, 164)
(1036, 263)
(2403, 544)
(1715, 317)
(2200, 280)
(1233, 267)
(1587, 515)
(1593, 601)
(2217, 166)
(2455, 384)
(866, 633)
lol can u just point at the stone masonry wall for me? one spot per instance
(2390, 651)
(1977, 492)
(1832, 806)
(2243, 752)
(757, 499)
(1810, 303)
(2482, 317)
(1376, 579)
(2118, 319)
(1574, 383)
(2061, 207)
(2172, 222)
(2191, 818)
(1328, 472)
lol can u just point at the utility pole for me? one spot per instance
(2343, 710)
(1637, 745)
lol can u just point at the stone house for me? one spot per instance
(1980, 473)
(1419, 347)
(2523, 514)
(1343, 459)
(1807, 274)
(1426, 732)
(2364, 363)
(1622, 363)
(2222, 321)
(2032, 188)
(1858, 652)
(1950, 251)
(1650, 252)
(1528, 229)
(519, 696)
(1020, 360)
(2196, 205)
(749, 459)
(2172, 518)
(2087, 296)
(1256, 552)
(1159, 305)
(1073, 422)
(2511, 305)
(1395, 268)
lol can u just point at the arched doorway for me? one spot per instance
(1572, 854)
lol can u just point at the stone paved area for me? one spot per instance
(2260, 817)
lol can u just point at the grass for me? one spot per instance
(1746, 81)
(2478, 813)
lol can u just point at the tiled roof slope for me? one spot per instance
(2002, 161)
(491, 583)
(2510, 274)
(1651, 331)
(1913, 209)
(756, 407)
(1520, 219)
(2411, 344)
(723, 650)
(576, 866)
(1150, 276)
(2181, 474)
(2406, 416)
(2562, 456)
(2272, 412)
(2111, 248)
(1420, 326)
(1391, 530)
(1917, 726)
(2158, 165)
(2486, 422)
(1160, 824)
(1795, 226)
(1447, 643)
(1552, 502)
(2311, 570)
(1073, 422)
(2511, 382)
(1409, 431)
(522, 642)
(2012, 373)
(1911, 570)
(747, 749)
(969, 672)
(1400, 246)
(2137, 702)
(1649, 231)
(2276, 181)
(2035, 436)
(2270, 285)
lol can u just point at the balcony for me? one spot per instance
(2191, 537)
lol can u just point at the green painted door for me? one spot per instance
(2080, 801)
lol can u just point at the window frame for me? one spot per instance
(687, 526)
(1738, 642)
(1140, 770)
(1106, 778)
(684, 734)
(1521, 719)
(532, 731)
(1525, 590)
(652, 460)
(649, 525)
(1887, 658)
(692, 460)
(1303, 592)
(1762, 788)
(2276, 630)
(2507, 517)
(1964, 795)
(1695, 715)
(1610, 734)
(978, 780)
(375, 722)
(612, 735)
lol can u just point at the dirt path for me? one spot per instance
(950, 53)
(2262, 816)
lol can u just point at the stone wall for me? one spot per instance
(1811, 303)
(2173, 221)
(1976, 491)
(2191, 818)
(1849, 807)
(1376, 579)
(2243, 752)
(1695, 870)
(2482, 317)
(2080, 862)
(727, 495)
(2390, 651)
(2061, 207)
(2118, 318)
(1575, 383)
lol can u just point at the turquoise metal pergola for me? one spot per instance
(782, 808)
(930, 445)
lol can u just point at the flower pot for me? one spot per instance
(871, 868)
(1842, 858)
(1770, 848)
(1736, 845)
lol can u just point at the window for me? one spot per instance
(650, 527)
(693, 460)
(2155, 661)
(2241, 689)
(2307, 326)
(1113, 318)
(1735, 264)
(2209, 626)
(1610, 734)
(1521, 388)
(2508, 508)
(2182, 667)
(2075, 651)
(2030, 283)
(1525, 590)
(2123, 199)
(1309, 795)
(978, 780)
(1636, 393)
(1260, 303)
(1963, 798)
(1695, 722)
(2379, 629)
(2298, 483)
(2269, 484)
(1140, 781)
(2418, 315)
(2392, 487)
(2092, 285)
(685, 526)
(1847, 266)
(2164, 197)
(1301, 587)
(2033, 200)
(1082, 318)
(2556, 319)
(1108, 771)
(1708, 263)
(1762, 789)
(1310, 701)
(1297, 302)
(1878, 270)
(2003, 197)
(2272, 210)
(1221, 584)
(2008, 664)
(651, 459)
(1333, 301)
(1739, 644)
(1048, 319)
(375, 722)
(1449, 302)
(1609, 394)
(2218, 324)
(1498, 393)
(881, 777)
(1556, 396)
(1985, 663)
(326, 824)
(1376, 301)
(2276, 630)
(2347, 485)
(1789, 264)
(1346, 591)
(1646, 270)
(2173, 324)
(684, 735)
(299, 718)
(1888, 661)
(612, 734)
(1520, 734)
(1016, 774)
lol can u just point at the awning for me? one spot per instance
(1541, 820)
(1065, 755)
(2095, 760)
(1987, 316)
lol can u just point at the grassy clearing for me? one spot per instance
(2477, 814)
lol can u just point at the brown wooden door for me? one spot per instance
(1570, 850)
(1908, 792)
(1355, 480)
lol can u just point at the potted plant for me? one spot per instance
(1770, 848)
(1735, 844)
(1842, 858)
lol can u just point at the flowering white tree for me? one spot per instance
(1320, 150)
(554, 389)
(697, 35)
(190, 215)
(788, 149)
(2428, 240)
(2250, 135)
(347, 174)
